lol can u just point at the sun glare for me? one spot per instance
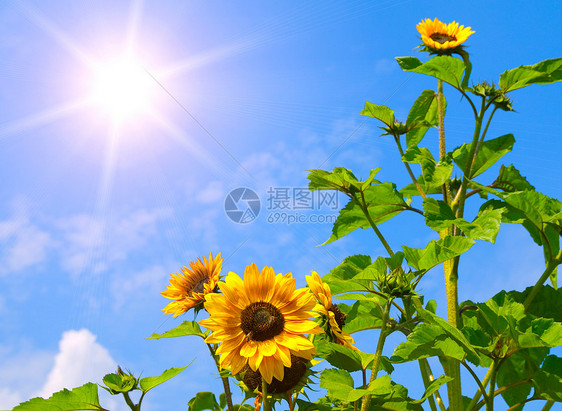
(122, 88)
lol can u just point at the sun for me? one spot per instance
(122, 88)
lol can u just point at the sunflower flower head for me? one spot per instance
(189, 288)
(440, 38)
(260, 322)
(334, 318)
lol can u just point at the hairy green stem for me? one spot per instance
(479, 392)
(265, 401)
(378, 354)
(548, 405)
(365, 209)
(482, 388)
(441, 123)
(491, 389)
(501, 390)
(397, 140)
(426, 382)
(225, 383)
(130, 403)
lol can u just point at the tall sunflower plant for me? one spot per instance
(266, 336)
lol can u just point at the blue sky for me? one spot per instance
(95, 215)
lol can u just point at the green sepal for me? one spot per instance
(545, 72)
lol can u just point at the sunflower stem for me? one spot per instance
(225, 383)
(451, 367)
(265, 402)
(378, 353)
(365, 208)
(130, 403)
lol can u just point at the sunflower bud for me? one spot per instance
(120, 381)
(395, 284)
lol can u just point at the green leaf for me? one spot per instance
(182, 330)
(434, 386)
(453, 333)
(379, 112)
(339, 277)
(437, 251)
(338, 355)
(427, 340)
(547, 303)
(434, 174)
(424, 111)
(446, 68)
(362, 315)
(509, 180)
(545, 72)
(204, 401)
(147, 383)
(339, 384)
(518, 367)
(486, 225)
(383, 202)
(340, 179)
(80, 398)
(489, 152)
(548, 381)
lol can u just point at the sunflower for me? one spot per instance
(336, 319)
(440, 37)
(189, 288)
(260, 322)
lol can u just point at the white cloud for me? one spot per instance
(80, 359)
(212, 193)
(23, 244)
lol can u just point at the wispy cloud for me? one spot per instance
(23, 244)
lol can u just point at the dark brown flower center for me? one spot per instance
(291, 377)
(261, 321)
(340, 317)
(442, 38)
(199, 287)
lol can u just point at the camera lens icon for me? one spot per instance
(242, 205)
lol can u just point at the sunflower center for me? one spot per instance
(442, 38)
(261, 321)
(291, 377)
(199, 287)
(340, 317)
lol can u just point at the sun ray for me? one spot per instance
(132, 28)
(186, 142)
(43, 117)
(57, 34)
(205, 58)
